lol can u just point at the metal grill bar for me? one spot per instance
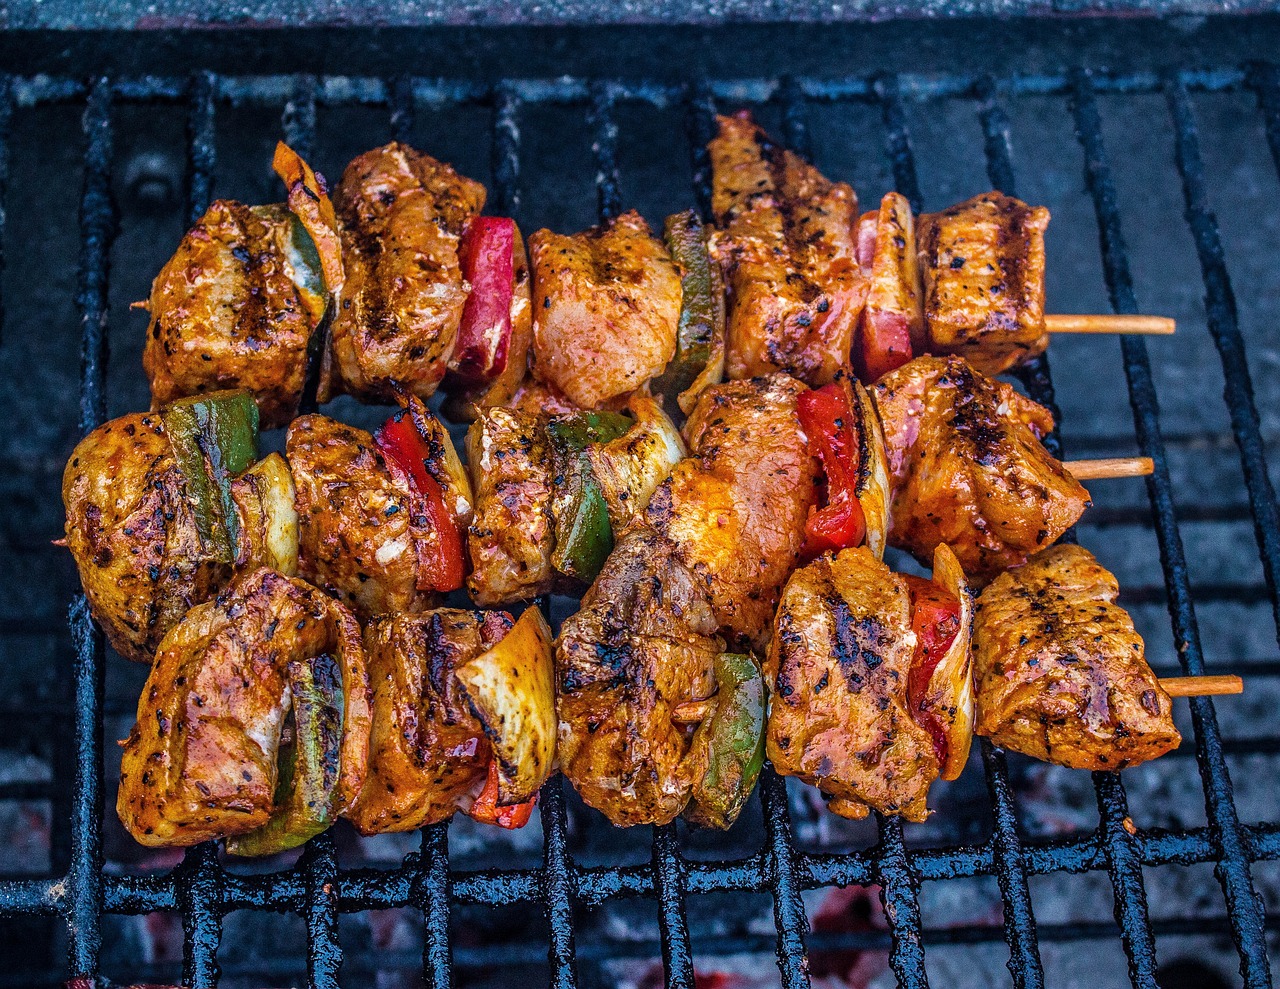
(1220, 304)
(669, 879)
(788, 908)
(202, 153)
(324, 956)
(431, 893)
(1233, 869)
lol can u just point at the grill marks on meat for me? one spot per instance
(606, 306)
(787, 245)
(642, 644)
(1060, 670)
(133, 535)
(838, 668)
(736, 508)
(225, 313)
(968, 468)
(355, 529)
(201, 761)
(402, 214)
(510, 539)
(983, 262)
(428, 756)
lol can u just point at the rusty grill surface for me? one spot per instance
(319, 888)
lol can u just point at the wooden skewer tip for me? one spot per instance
(1205, 686)
(1134, 325)
(1092, 470)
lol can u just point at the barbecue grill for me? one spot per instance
(387, 89)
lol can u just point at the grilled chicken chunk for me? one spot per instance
(355, 530)
(787, 245)
(838, 667)
(606, 304)
(428, 753)
(736, 508)
(1060, 671)
(201, 762)
(402, 214)
(510, 539)
(228, 310)
(133, 534)
(983, 262)
(642, 644)
(968, 468)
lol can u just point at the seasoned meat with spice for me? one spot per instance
(133, 534)
(402, 215)
(234, 308)
(355, 531)
(510, 539)
(983, 266)
(787, 244)
(736, 508)
(606, 304)
(643, 644)
(428, 756)
(968, 468)
(1059, 667)
(201, 762)
(839, 666)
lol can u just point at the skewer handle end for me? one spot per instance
(1205, 686)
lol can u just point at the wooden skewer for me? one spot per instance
(691, 712)
(1205, 686)
(1143, 325)
(1092, 470)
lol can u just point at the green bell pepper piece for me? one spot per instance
(214, 437)
(730, 743)
(584, 537)
(700, 307)
(308, 764)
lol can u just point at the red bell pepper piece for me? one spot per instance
(826, 414)
(487, 254)
(440, 566)
(486, 809)
(935, 618)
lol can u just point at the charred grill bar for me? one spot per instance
(318, 889)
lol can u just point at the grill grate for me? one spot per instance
(319, 890)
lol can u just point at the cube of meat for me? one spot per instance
(403, 214)
(200, 763)
(838, 668)
(510, 539)
(227, 312)
(606, 304)
(1060, 671)
(968, 468)
(787, 245)
(355, 529)
(428, 756)
(133, 534)
(983, 263)
(736, 508)
(642, 644)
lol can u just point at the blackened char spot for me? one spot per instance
(859, 643)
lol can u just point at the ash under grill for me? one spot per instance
(1008, 827)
